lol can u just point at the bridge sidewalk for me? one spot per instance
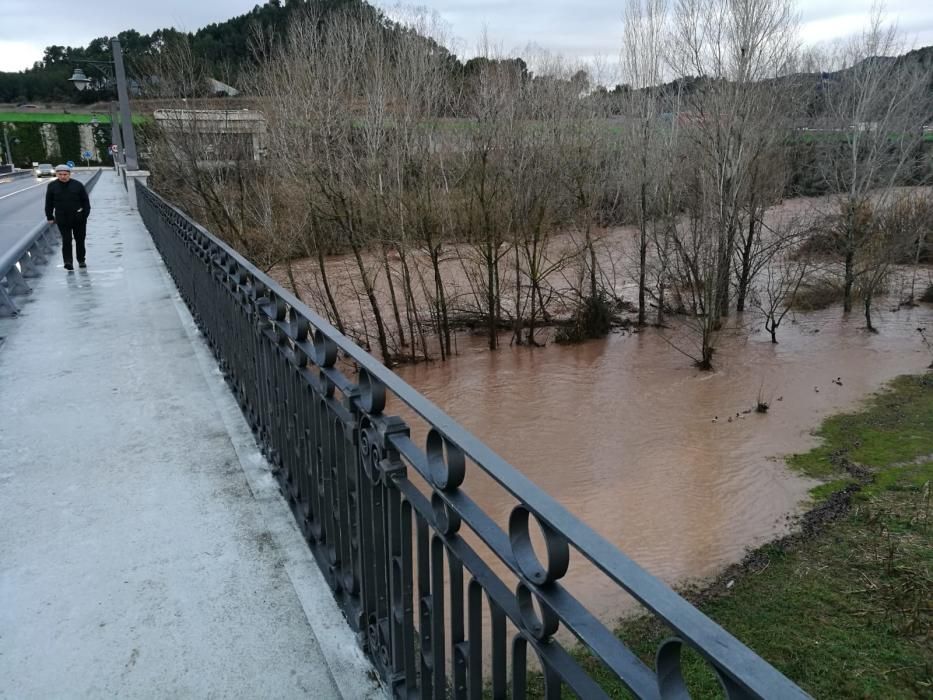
(144, 548)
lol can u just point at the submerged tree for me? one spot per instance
(873, 109)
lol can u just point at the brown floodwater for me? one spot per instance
(625, 432)
(638, 444)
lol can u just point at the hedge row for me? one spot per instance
(27, 145)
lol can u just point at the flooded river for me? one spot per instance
(670, 464)
(639, 445)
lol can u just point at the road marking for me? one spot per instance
(24, 189)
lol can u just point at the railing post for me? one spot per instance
(28, 264)
(15, 282)
(7, 306)
(134, 176)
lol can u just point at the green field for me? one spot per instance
(59, 118)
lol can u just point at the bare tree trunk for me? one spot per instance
(747, 248)
(868, 324)
(338, 321)
(643, 247)
(410, 309)
(395, 312)
(373, 303)
(849, 280)
(290, 273)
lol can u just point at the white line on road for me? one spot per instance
(24, 189)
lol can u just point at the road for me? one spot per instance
(21, 202)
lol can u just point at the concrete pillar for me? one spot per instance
(131, 177)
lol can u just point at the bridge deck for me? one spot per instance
(144, 548)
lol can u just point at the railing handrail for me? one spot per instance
(16, 253)
(748, 671)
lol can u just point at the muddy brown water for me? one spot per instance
(638, 444)
(633, 440)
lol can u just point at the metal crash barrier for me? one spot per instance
(447, 602)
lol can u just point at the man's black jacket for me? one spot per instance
(68, 200)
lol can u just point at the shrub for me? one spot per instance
(818, 294)
(593, 319)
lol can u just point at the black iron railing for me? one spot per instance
(386, 517)
(26, 258)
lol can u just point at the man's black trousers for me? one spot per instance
(73, 228)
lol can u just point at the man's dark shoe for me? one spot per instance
(81, 263)
(69, 267)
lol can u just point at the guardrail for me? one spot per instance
(11, 175)
(25, 259)
(392, 524)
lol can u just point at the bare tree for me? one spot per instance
(873, 107)
(774, 298)
(891, 239)
(737, 50)
(643, 46)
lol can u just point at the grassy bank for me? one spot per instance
(843, 606)
(60, 118)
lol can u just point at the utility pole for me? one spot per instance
(126, 123)
(6, 142)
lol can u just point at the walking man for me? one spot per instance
(67, 204)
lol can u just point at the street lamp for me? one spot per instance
(81, 81)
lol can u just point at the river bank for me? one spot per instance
(841, 605)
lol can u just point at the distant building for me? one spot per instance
(219, 88)
(214, 136)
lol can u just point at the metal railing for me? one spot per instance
(14, 174)
(26, 258)
(388, 519)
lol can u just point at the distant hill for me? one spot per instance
(223, 47)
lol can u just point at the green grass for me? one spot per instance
(58, 117)
(845, 613)
(895, 426)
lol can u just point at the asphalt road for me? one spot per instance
(21, 202)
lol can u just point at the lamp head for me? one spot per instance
(79, 79)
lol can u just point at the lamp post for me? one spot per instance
(81, 81)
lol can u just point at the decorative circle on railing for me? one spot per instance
(671, 684)
(542, 626)
(667, 663)
(302, 327)
(325, 350)
(370, 452)
(300, 356)
(445, 518)
(279, 306)
(327, 386)
(557, 549)
(446, 462)
(372, 392)
(552, 682)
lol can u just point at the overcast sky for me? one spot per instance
(578, 28)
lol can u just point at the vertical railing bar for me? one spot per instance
(438, 638)
(425, 608)
(475, 640)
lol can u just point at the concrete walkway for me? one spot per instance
(145, 551)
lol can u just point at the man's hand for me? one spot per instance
(51, 221)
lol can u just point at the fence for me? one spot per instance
(386, 517)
